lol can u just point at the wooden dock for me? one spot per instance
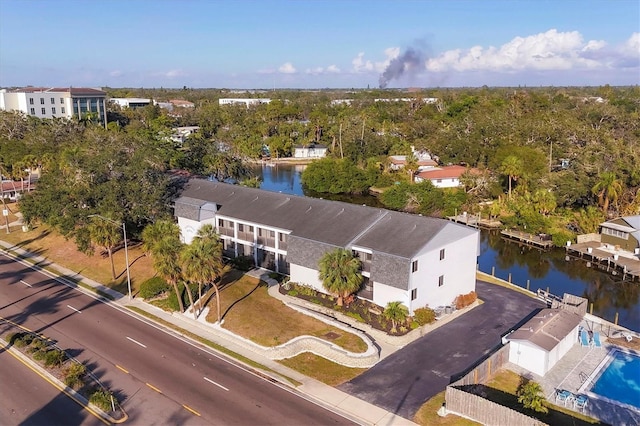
(542, 241)
(616, 262)
(475, 221)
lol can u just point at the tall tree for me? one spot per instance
(202, 261)
(512, 168)
(340, 273)
(106, 235)
(161, 240)
(608, 188)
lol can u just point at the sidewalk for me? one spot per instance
(353, 408)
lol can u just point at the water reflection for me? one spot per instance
(549, 269)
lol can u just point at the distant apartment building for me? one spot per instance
(66, 102)
(131, 102)
(246, 101)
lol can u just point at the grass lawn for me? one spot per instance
(249, 311)
(502, 389)
(45, 242)
(322, 369)
(428, 414)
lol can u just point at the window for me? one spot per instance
(62, 101)
(414, 294)
(414, 266)
(240, 227)
(41, 101)
(33, 111)
(30, 101)
(44, 111)
(442, 254)
(53, 101)
(62, 110)
(220, 223)
(53, 110)
(440, 280)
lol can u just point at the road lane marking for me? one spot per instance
(121, 369)
(217, 384)
(186, 407)
(26, 283)
(71, 307)
(136, 342)
(153, 387)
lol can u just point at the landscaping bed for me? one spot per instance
(64, 368)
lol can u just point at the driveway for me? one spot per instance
(403, 381)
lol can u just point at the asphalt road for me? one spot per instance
(403, 381)
(22, 389)
(158, 377)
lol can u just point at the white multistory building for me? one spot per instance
(67, 102)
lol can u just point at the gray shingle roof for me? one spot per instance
(547, 328)
(332, 223)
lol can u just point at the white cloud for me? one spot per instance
(115, 73)
(174, 73)
(287, 68)
(547, 51)
(331, 69)
(360, 65)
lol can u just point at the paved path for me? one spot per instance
(403, 381)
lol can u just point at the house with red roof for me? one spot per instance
(443, 177)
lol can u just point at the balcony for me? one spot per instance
(226, 231)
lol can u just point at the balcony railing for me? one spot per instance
(226, 231)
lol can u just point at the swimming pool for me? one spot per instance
(619, 379)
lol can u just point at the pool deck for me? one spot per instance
(578, 366)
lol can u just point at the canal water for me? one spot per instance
(523, 265)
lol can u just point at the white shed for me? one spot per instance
(540, 343)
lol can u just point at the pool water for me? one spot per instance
(620, 380)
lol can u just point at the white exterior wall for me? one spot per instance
(189, 228)
(441, 183)
(458, 268)
(383, 294)
(528, 356)
(306, 276)
(309, 152)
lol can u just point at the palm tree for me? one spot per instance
(396, 312)
(340, 273)
(166, 262)
(202, 261)
(161, 241)
(511, 167)
(411, 165)
(154, 233)
(608, 189)
(106, 235)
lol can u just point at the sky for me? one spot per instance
(307, 44)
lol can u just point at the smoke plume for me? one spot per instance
(409, 62)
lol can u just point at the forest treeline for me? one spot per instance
(558, 160)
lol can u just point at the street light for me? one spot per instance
(126, 250)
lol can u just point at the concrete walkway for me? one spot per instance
(351, 407)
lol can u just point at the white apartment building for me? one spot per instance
(67, 102)
(245, 101)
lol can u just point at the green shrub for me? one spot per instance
(242, 263)
(293, 293)
(39, 354)
(414, 324)
(153, 287)
(172, 300)
(18, 340)
(424, 316)
(74, 375)
(306, 290)
(101, 399)
(54, 358)
(531, 396)
(560, 238)
(355, 316)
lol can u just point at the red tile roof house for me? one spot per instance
(416, 260)
(443, 177)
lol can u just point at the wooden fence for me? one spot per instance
(484, 411)
(461, 402)
(485, 369)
